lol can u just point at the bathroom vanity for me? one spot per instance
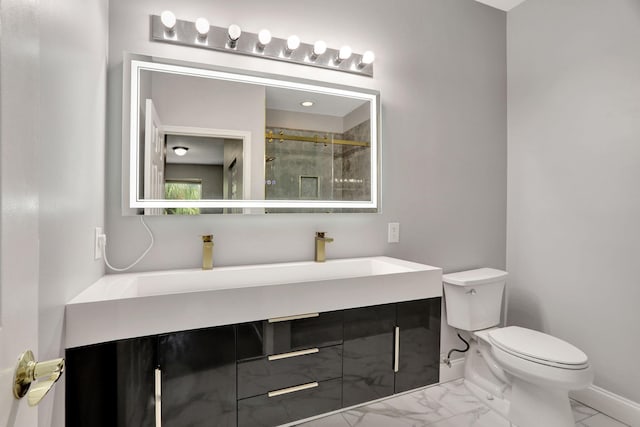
(313, 339)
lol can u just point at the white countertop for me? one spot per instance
(119, 306)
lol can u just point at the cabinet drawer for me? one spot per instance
(286, 370)
(275, 336)
(265, 411)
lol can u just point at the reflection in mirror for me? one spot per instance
(317, 147)
(199, 168)
(205, 141)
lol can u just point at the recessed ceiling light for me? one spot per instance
(306, 103)
(180, 151)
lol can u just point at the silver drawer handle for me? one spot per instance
(396, 350)
(295, 317)
(292, 389)
(158, 398)
(293, 354)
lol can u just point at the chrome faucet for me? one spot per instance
(320, 243)
(207, 252)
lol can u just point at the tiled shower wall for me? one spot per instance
(341, 171)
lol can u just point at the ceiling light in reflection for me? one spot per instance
(180, 151)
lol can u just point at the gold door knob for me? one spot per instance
(43, 375)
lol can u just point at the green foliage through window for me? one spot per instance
(180, 190)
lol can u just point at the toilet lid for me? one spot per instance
(538, 347)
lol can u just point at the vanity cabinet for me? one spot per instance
(368, 353)
(289, 368)
(418, 335)
(111, 384)
(287, 334)
(272, 410)
(192, 375)
(262, 373)
(390, 349)
(198, 377)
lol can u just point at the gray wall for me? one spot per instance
(574, 168)
(441, 71)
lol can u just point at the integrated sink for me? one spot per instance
(138, 304)
(268, 274)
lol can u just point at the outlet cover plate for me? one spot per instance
(97, 248)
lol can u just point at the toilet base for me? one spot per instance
(522, 403)
(535, 406)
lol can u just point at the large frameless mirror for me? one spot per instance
(202, 140)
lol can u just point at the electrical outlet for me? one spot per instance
(393, 232)
(97, 249)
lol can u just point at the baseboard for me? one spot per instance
(452, 373)
(618, 407)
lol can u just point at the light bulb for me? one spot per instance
(307, 103)
(368, 57)
(168, 19)
(202, 26)
(345, 53)
(293, 42)
(234, 32)
(319, 48)
(264, 37)
(180, 151)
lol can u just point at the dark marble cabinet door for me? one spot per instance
(368, 353)
(198, 377)
(111, 384)
(419, 364)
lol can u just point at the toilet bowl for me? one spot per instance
(528, 372)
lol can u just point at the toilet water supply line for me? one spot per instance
(447, 360)
(102, 241)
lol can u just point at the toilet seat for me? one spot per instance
(538, 347)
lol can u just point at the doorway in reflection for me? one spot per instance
(198, 168)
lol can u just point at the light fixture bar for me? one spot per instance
(184, 33)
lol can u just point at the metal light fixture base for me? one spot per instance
(184, 33)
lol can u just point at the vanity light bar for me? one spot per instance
(185, 33)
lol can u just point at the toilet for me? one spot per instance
(523, 374)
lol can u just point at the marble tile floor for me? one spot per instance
(445, 405)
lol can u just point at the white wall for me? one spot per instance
(70, 166)
(574, 173)
(441, 71)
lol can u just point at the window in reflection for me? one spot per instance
(182, 190)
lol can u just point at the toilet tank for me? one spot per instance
(474, 298)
